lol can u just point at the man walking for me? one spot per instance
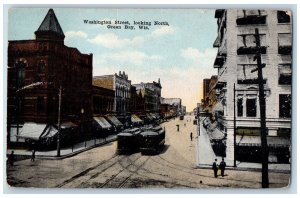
(191, 136)
(222, 167)
(215, 168)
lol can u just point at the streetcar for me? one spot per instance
(152, 141)
(128, 141)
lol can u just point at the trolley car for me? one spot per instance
(128, 141)
(152, 141)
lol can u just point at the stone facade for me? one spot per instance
(235, 61)
(121, 86)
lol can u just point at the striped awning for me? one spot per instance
(135, 119)
(104, 124)
(114, 120)
(256, 141)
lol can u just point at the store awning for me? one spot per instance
(104, 124)
(135, 119)
(153, 115)
(216, 134)
(149, 116)
(115, 121)
(218, 106)
(50, 131)
(31, 130)
(66, 125)
(256, 141)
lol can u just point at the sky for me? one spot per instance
(180, 51)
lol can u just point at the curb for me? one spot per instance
(47, 157)
(205, 166)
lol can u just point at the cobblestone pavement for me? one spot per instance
(100, 167)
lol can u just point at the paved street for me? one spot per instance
(100, 167)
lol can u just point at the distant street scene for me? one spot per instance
(101, 167)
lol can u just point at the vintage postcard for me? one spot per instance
(148, 98)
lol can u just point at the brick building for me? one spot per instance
(121, 85)
(36, 70)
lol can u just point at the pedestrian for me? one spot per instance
(33, 155)
(191, 136)
(12, 158)
(215, 168)
(222, 167)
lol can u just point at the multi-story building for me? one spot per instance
(121, 85)
(236, 67)
(152, 93)
(209, 93)
(36, 70)
(173, 104)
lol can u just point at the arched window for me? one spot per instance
(41, 66)
(20, 72)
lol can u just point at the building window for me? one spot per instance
(20, 72)
(41, 66)
(40, 104)
(284, 43)
(251, 107)
(285, 74)
(285, 106)
(245, 76)
(245, 17)
(247, 44)
(240, 107)
(283, 17)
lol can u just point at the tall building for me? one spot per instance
(121, 85)
(205, 89)
(36, 70)
(152, 93)
(236, 66)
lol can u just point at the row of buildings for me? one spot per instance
(231, 97)
(46, 79)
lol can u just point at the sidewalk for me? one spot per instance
(65, 152)
(206, 156)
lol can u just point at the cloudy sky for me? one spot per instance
(180, 53)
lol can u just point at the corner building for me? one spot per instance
(36, 70)
(235, 62)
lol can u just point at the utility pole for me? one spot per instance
(58, 132)
(262, 104)
(234, 127)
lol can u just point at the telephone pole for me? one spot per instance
(58, 123)
(262, 104)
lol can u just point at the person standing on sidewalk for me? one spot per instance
(215, 168)
(191, 136)
(33, 156)
(12, 158)
(222, 167)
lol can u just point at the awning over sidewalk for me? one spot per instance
(153, 116)
(135, 119)
(104, 124)
(115, 121)
(256, 141)
(50, 131)
(149, 117)
(31, 130)
(66, 125)
(216, 135)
